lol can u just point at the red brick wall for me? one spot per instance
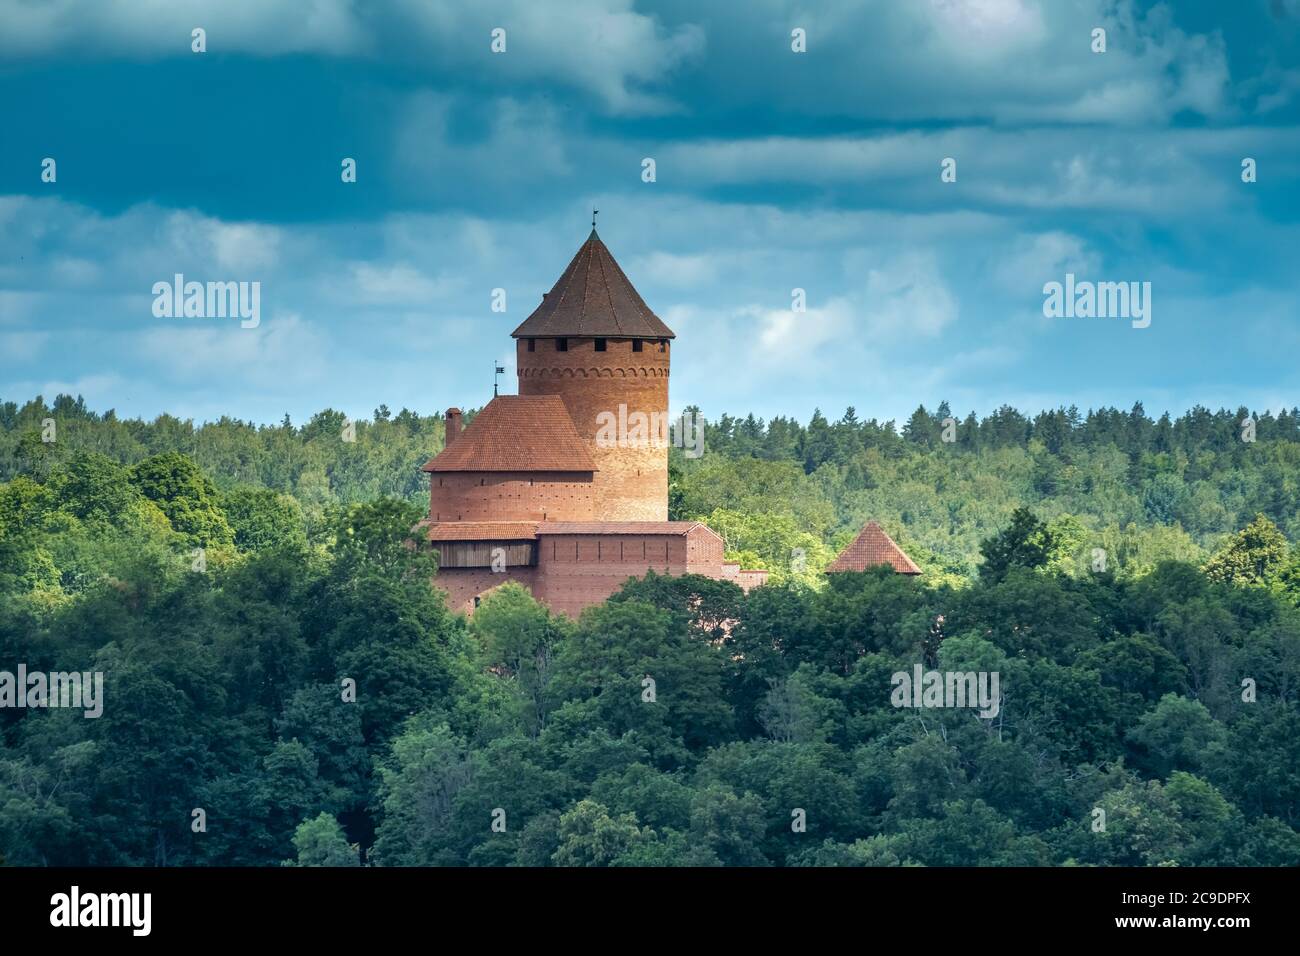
(575, 571)
(462, 585)
(632, 483)
(704, 553)
(510, 496)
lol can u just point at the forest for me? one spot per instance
(283, 687)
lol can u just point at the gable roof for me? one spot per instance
(593, 298)
(480, 531)
(872, 547)
(517, 433)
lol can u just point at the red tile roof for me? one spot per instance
(620, 527)
(593, 298)
(481, 531)
(871, 547)
(517, 433)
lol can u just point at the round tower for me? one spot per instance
(595, 343)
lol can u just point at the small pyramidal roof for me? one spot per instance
(871, 547)
(593, 298)
(517, 433)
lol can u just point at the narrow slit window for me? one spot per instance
(561, 345)
(636, 345)
(600, 345)
(532, 345)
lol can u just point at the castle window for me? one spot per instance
(561, 345)
(663, 345)
(600, 345)
(477, 600)
(636, 345)
(532, 345)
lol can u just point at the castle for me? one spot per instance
(537, 490)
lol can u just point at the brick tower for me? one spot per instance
(595, 344)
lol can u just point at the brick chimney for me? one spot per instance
(453, 425)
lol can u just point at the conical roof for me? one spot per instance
(873, 546)
(593, 298)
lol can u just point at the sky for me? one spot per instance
(774, 170)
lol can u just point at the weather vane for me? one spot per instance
(594, 210)
(500, 370)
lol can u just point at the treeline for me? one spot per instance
(786, 496)
(1060, 431)
(278, 691)
(1140, 490)
(328, 460)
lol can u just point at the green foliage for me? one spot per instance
(263, 519)
(1255, 555)
(186, 496)
(1027, 543)
(589, 836)
(1162, 688)
(320, 842)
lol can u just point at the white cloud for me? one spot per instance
(399, 283)
(789, 336)
(283, 350)
(675, 270)
(522, 148)
(1003, 61)
(162, 27)
(907, 297)
(984, 29)
(1035, 259)
(604, 47)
